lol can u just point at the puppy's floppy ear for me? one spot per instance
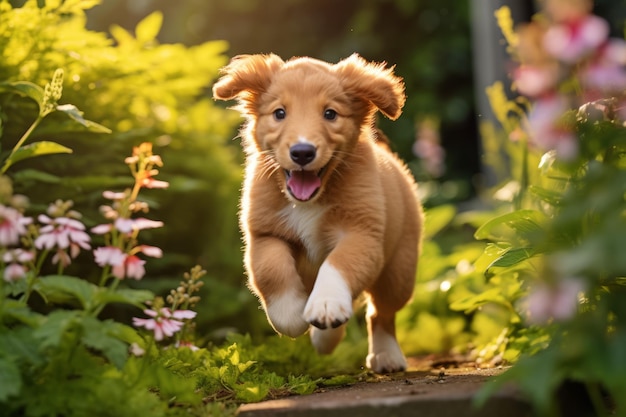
(246, 76)
(374, 83)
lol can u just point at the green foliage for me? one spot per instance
(552, 257)
(138, 90)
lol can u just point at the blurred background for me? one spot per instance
(148, 79)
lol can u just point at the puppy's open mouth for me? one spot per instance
(303, 185)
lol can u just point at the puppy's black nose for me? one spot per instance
(302, 153)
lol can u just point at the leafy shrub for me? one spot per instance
(553, 260)
(138, 90)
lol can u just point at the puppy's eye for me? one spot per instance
(280, 114)
(330, 114)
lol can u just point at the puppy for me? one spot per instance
(327, 213)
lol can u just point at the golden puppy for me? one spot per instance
(327, 213)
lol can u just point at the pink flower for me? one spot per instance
(152, 251)
(547, 130)
(12, 225)
(14, 272)
(164, 322)
(61, 232)
(150, 182)
(534, 81)
(131, 267)
(572, 41)
(554, 301)
(111, 195)
(109, 255)
(102, 229)
(129, 225)
(606, 72)
(15, 259)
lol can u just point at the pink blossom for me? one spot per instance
(102, 229)
(606, 72)
(12, 225)
(152, 251)
(534, 81)
(554, 301)
(572, 41)
(15, 259)
(111, 195)
(547, 130)
(150, 182)
(129, 225)
(163, 322)
(14, 272)
(61, 232)
(109, 255)
(131, 267)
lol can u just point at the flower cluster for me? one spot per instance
(566, 59)
(119, 255)
(166, 321)
(25, 244)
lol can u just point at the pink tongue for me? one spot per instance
(303, 184)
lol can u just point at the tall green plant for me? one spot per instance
(559, 243)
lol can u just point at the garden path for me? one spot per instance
(421, 391)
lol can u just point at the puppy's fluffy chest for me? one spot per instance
(305, 223)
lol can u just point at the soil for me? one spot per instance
(432, 386)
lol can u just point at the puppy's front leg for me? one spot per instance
(349, 268)
(274, 278)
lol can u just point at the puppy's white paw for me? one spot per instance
(285, 313)
(325, 341)
(385, 354)
(330, 302)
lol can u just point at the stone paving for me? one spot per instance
(420, 393)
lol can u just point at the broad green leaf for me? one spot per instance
(24, 88)
(469, 304)
(124, 296)
(62, 288)
(525, 222)
(438, 218)
(148, 29)
(513, 257)
(15, 310)
(554, 198)
(36, 149)
(25, 175)
(10, 379)
(57, 324)
(77, 115)
(98, 335)
(20, 345)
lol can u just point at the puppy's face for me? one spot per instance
(305, 115)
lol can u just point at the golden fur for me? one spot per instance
(327, 213)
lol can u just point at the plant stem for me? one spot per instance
(7, 162)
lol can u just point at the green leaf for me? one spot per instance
(63, 289)
(58, 323)
(36, 149)
(251, 391)
(527, 224)
(77, 115)
(148, 29)
(25, 175)
(554, 198)
(437, 219)
(99, 335)
(513, 257)
(124, 296)
(24, 88)
(10, 379)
